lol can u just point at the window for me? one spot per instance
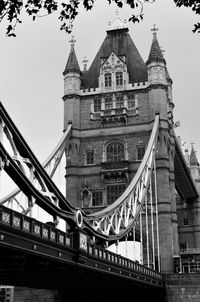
(114, 191)
(140, 152)
(131, 102)
(120, 102)
(119, 78)
(97, 198)
(185, 221)
(108, 103)
(108, 79)
(90, 157)
(115, 152)
(97, 105)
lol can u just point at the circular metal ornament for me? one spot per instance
(79, 218)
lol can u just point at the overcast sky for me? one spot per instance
(31, 66)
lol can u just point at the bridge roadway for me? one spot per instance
(34, 254)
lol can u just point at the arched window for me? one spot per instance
(115, 152)
(108, 79)
(119, 78)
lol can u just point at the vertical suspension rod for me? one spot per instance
(147, 228)
(152, 224)
(156, 204)
(134, 242)
(141, 238)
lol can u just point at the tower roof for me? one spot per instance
(155, 51)
(72, 62)
(118, 41)
(193, 158)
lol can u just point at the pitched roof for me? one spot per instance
(155, 52)
(119, 42)
(72, 62)
(193, 158)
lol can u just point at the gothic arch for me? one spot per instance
(115, 151)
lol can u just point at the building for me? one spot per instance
(112, 106)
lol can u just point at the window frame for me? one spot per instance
(98, 201)
(108, 79)
(97, 105)
(108, 103)
(117, 154)
(119, 102)
(119, 78)
(132, 100)
(88, 157)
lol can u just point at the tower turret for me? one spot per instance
(72, 83)
(157, 78)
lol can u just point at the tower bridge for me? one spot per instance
(127, 178)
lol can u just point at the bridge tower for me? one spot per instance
(112, 106)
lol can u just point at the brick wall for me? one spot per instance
(23, 294)
(182, 287)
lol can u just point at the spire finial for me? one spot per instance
(84, 64)
(72, 41)
(154, 30)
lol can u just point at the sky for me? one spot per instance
(31, 66)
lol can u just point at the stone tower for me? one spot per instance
(112, 107)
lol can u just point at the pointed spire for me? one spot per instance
(156, 54)
(193, 158)
(72, 62)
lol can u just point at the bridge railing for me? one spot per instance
(105, 255)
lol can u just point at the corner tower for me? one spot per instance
(72, 84)
(160, 101)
